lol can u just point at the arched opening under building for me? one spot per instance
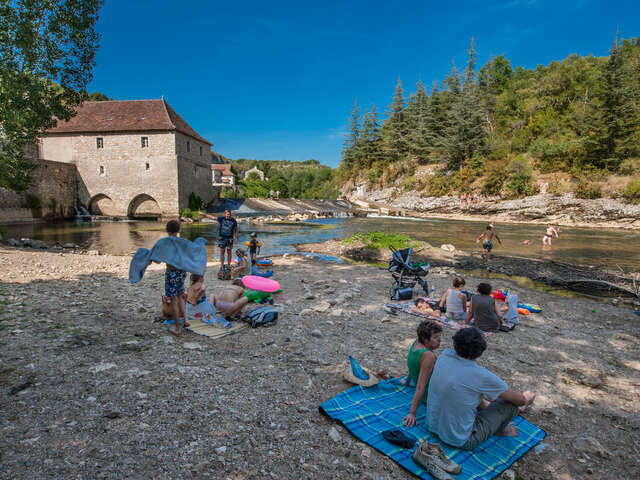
(144, 206)
(102, 204)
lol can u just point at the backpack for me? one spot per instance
(265, 316)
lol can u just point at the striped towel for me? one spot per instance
(367, 412)
(408, 307)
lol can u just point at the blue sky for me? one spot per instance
(277, 80)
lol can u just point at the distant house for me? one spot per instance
(222, 176)
(254, 170)
(133, 157)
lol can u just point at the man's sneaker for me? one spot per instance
(433, 455)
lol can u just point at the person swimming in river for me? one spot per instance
(546, 240)
(487, 241)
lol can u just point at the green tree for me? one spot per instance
(47, 50)
(396, 130)
(370, 141)
(466, 129)
(350, 154)
(420, 137)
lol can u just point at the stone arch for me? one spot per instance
(143, 205)
(102, 204)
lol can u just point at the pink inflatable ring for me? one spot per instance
(260, 284)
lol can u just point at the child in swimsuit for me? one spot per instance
(241, 268)
(546, 240)
(421, 306)
(199, 306)
(231, 299)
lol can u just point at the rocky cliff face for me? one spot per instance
(558, 209)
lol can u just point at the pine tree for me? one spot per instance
(465, 131)
(418, 120)
(370, 141)
(350, 145)
(396, 130)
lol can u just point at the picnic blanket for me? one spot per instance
(367, 412)
(214, 330)
(409, 305)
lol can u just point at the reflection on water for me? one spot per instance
(610, 247)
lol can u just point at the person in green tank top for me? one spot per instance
(420, 361)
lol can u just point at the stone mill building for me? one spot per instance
(133, 158)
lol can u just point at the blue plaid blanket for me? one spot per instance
(367, 412)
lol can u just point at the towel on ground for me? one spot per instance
(409, 307)
(178, 252)
(368, 412)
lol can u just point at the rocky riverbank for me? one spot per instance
(93, 387)
(555, 274)
(545, 208)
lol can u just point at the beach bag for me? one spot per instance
(224, 273)
(265, 316)
(405, 293)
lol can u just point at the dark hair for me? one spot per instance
(488, 227)
(237, 282)
(426, 329)
(484, 289)
(458, 282)
(195, 278)
(419, 300)
(173, 226)
(253, 261)
(226, 210)
(469, 343)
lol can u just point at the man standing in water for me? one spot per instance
(546, 240)
(487, 241)
(228, 234)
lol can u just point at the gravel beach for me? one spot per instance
(92, 386)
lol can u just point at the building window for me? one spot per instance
(101, 167)
(99, 143)
(188, 147)
(144, 141)
(147, 166)
(200, 151)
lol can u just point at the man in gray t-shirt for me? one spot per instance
(457, 410)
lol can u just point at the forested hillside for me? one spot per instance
(308, 179)
(501, 130)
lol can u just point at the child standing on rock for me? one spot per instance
(174, 287)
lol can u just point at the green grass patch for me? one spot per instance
(382, 240)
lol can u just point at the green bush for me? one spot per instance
(31, 201)
(632, 193)
(438, 185)
(188, 213)
(195, 202)
(493, 180)
(382, 240)
(520, 177)
(588, 189)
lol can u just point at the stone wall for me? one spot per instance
(194, 171)
(53, 184)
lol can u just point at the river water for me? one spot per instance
(587, 246)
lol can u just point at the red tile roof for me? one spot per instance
(126, 116)
(222, 167)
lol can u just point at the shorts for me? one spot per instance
(457, 317)
(174, 282)
(487, 245)
(224, 242)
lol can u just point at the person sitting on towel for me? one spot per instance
(231, 300)
(456, 389)
(455, 301)
(484, 310)
(199, 306)
(420, 361)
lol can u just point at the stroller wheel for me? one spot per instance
(392, 291)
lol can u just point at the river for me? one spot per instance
(587, 246)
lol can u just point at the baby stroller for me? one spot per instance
(406, 275)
